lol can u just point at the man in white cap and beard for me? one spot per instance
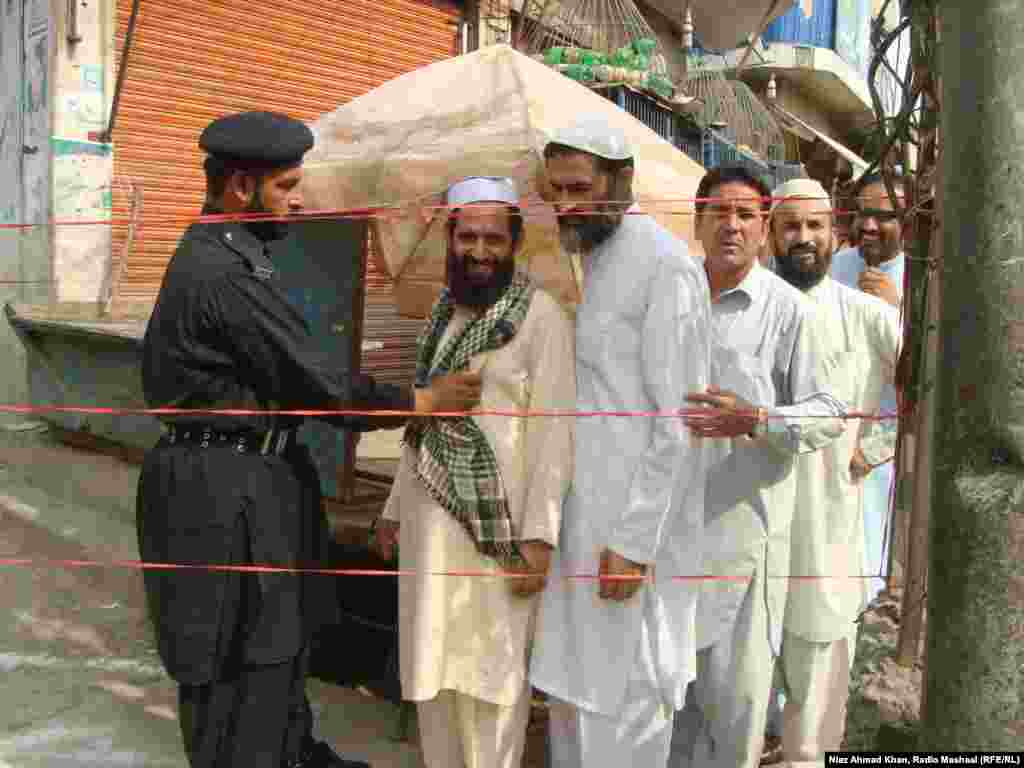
(615, 656)
(481, 494)
(827, 590)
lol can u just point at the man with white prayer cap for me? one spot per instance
(478, 495)
(615, 656)
(827, 590)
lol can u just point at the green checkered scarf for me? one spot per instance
(454, 459)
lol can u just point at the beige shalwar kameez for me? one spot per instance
(464, 641)
(828, 590)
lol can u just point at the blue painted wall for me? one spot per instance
(840, 25)
(819, 29)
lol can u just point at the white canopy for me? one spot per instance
(485, 113)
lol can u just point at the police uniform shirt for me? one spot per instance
(224, 336)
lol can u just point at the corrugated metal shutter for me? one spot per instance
(194, 60)
(389, 340)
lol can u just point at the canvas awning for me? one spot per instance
(790, 122)
(489, 112)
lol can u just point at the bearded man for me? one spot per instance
(826, 592)
(480, 494)
(876, 267)
(615, 657)
(228, 489)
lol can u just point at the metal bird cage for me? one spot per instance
(735, 113)
(597, 42)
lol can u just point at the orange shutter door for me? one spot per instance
(194, 60)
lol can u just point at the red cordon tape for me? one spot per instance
(403, 210)
(140, 565)
(692, 413)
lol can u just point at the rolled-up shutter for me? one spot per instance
(194, 60)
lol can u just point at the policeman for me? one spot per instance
(226, 489)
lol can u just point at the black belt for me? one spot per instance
(273, 441)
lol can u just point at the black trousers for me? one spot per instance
(255, 716)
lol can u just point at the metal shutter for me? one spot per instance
(194, 60)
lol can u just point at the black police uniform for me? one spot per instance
(238, 489)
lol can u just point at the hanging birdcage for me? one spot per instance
(596, 42)
(733, 111)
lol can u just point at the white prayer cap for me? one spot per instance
(803, 189)
(482, 189)
(592, 134)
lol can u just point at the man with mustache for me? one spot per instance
(826, 592)
(772, 389)
(237, 489)
(481, 494)
(615, 656)
(876, 267)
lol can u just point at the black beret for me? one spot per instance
(257, 140)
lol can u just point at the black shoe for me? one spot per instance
(320, 755)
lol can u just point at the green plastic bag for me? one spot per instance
(553, 56)
(641, 62)
(645, 46)
(623, 57)
(660, 85)
(579, 72)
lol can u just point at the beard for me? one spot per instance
(582, 234)
(791, 268)
(476, 292)
(267, 231)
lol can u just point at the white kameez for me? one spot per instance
(642, 335)
(470, 634)
(878, 439)
(768, 350)
(828, 528)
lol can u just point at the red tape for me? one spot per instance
(688, 413)
(400, 210)
(145, 566)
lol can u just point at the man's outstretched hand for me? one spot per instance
(455, 392)
(727, 415)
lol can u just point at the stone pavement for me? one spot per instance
(82, 682)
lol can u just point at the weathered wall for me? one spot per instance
(83, 169)
(25, 63)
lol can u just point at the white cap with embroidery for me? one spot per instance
(482, 189)
(592, 134)
(805, 189)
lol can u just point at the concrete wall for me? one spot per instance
(83, 186)
(26, 63)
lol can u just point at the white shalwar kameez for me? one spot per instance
(827, 590)
(615, 671)
(464, 641)
(878, 439)
(768, 350)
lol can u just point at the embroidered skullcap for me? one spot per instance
(256, 140)
(593, 134)
(802, 189)
(482, 189)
